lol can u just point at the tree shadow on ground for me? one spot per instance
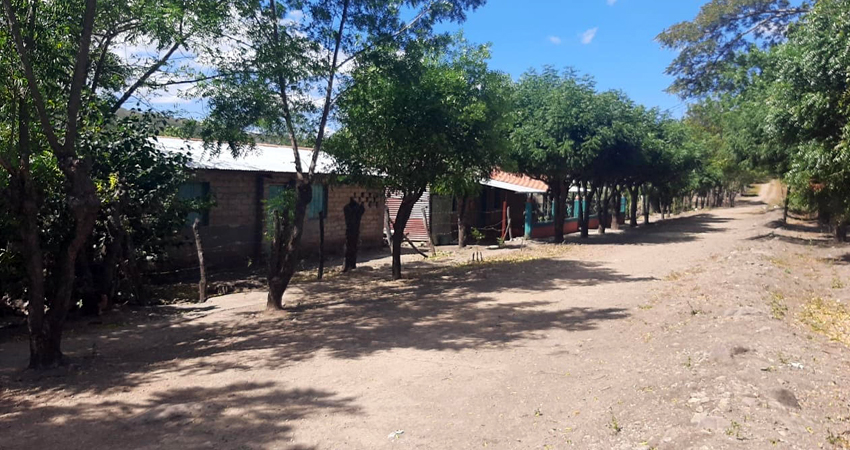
(448, 309)
(805, 233)
(843, 260)
(810, 241)
(240, 415)
(679, 229)
(810, 226)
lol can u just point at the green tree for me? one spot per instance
(615, 146)
(141, 214)
(714, 41)
(552, 120)
(285, 53)
(60, 85)
(809, 110)
(464, 181)
(420, 118)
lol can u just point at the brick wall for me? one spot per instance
(371, 225)
(233, 236)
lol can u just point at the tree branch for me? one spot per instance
(408, 26)
(79, 78)
(38, 99)
(151, 70)
(98, 69)
(327, 109)
(200, 79)
(281, 86)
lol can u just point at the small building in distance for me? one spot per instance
(509, 204)
(233, 229)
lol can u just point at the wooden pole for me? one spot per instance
(428, 230)
(510, 232)
(202, 284)
(388, 228)
(321, 244)
(504, 217)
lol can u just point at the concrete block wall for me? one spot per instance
(371, 225)
(233, 236)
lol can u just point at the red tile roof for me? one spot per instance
(518, 179)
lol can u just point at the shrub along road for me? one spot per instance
(714, 329)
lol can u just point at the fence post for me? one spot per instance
(428, 230)
(504, 217)
(321, 245)
(202, 284)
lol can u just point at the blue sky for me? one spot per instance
(612, 40)
(618, 49)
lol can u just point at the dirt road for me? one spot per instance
(696, 332)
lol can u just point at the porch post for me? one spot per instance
(528, 213)
(504, 217)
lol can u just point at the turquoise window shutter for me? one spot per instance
(195, 191)
(317, 205)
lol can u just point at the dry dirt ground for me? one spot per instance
(712, 330)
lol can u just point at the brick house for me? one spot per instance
(233, 229)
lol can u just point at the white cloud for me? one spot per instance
(297, 16)
(611, 2)
(587, 36)
(555, 40)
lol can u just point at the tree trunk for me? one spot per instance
(132, 272)
(785, 211)
(841, 231)
(615, 218)
(655, 203)
(285, 243)
(408, 201)
(824, 215)
(202, 283)
(353, 213)
(645, 207)
(461, 222)
(24, 196)
(558, 210)
(105, 279)
(633, 204)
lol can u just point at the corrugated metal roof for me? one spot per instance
(264, 158)
(415, 228)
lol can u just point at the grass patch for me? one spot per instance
(778, 308)
(614, 424)
(734, 430)
(837, 283)
(780, 263)
(517, 257)
(829, 318)
(674, 276)
(838, 440)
